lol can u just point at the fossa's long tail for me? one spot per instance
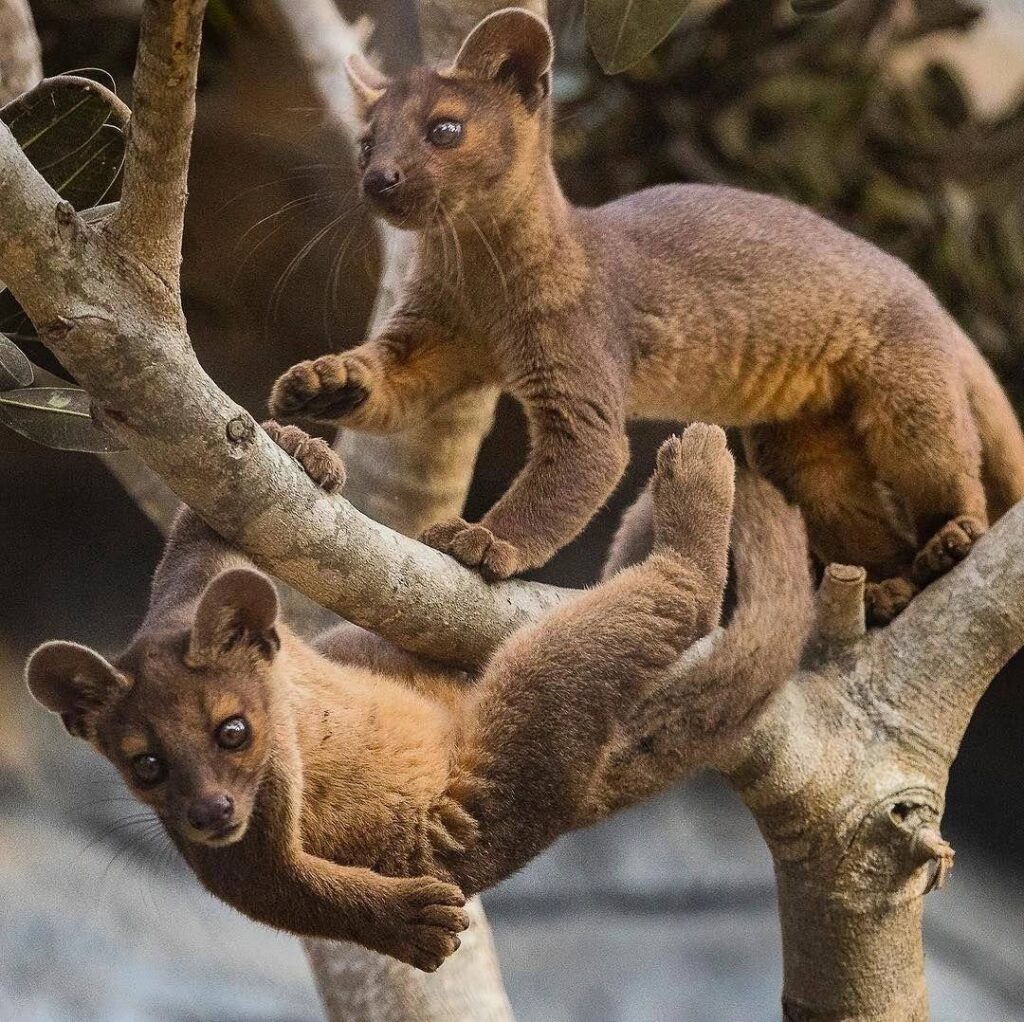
(713, 697)
(1002, 442)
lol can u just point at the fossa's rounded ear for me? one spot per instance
(368, 84)
(510, 45)
(73, 681)
(238, 608)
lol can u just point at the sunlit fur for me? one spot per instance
(380, 787)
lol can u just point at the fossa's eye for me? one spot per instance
(233, 733)
(365, 150)
(148, 770)
(445, 134)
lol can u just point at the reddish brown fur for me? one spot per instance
(860, 395)
(373, 783)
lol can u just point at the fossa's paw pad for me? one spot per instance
(316, 456)
(476, 547)
(325, 389)
(886, 599)
(947, 548)
(427, 917)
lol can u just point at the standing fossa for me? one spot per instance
(859, 395)
(343, 789)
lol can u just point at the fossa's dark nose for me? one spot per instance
(381, 180)
(211, 812)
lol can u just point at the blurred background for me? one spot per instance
(901, 119)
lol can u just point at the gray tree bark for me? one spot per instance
(845, 769)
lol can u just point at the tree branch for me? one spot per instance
(357, 984)
(149, 220)
(420, 476)
(21, 64)
(846, 774)
(941, 653)
(408, 482)
(121, 333)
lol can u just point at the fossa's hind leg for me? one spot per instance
(922, 440)
(820, 464)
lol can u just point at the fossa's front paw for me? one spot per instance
(475, 546)
(316, 456)
(420, 922)
(947, 548)
(326, 390)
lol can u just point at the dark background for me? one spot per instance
(666, 912)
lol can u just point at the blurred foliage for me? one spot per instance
(747, 93)
(623, 32)
(72, 130)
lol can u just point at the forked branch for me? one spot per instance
(149, 221)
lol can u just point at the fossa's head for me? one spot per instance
(185, 713)
(459, 145)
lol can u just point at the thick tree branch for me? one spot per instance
(407, 482)
(149, 221)
(941, 653)
(846, 774)
(21, 64)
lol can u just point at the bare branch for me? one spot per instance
(149, 220)
(840, 619)
(414, 479)
(407, 482)
(120, 333)
(21, 64)
(37, 233)
(322, 40)
(935, 661)
(357, 984)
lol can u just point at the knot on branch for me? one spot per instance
(891, 838)
(69, 223)
(923, 842)
(70, 330)
(241, 430)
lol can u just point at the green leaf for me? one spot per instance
(812, 7)
(72, 129)
(55, 417)
(67, 123)
(86, 176)
(15, 369)
(623, 32)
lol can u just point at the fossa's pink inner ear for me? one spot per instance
(239, 607)
(74, 681)
(368, 84)
(511, 44)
